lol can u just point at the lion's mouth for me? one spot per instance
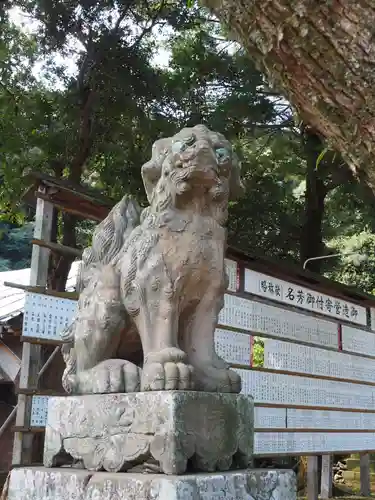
(203, 175)
(199, 170)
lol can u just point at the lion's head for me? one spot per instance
(196, 166)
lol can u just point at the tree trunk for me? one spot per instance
(321, 55)
(62, 263)
(311, 244)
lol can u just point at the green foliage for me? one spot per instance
(223, 90)
(349, 227)
(258, 352)
(266, 221)
(15, 246)
(102, 120)
(321, 156)
(17, 124)
(355, 269)
(209, 85)
(94, 121)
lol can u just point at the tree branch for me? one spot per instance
(85, 64)
(275, 126)
(149, 28)
(121, 18)
(11, 94)
(85, 139)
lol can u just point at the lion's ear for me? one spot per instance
(236, 187)
(150, 172)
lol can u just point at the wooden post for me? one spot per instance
(312, 478)
(327, 480)
(31, 353)
(365, 474)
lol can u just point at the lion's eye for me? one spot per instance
(190, 140)
(222, 155)
(178, 146)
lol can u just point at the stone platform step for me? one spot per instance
(353, 475)
(37, 483)
(353, 464)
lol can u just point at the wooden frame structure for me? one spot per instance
(47, 193)
(87, 204)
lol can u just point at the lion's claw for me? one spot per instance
(111, 376)
(166, 371)
(212, 379)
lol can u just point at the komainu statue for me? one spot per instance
(152, 283)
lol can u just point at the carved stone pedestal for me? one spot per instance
(66, 484)
(166, 431)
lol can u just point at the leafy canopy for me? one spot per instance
(83, 97)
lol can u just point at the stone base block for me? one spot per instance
(66, 484)
(166, 431)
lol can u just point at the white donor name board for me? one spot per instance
(280, 355)
(279, 443)
(356, 340)
(259, 318)
(45, 317)
(231, 269)
(372, 315)
(304, 298)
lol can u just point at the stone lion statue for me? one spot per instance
(152, 283)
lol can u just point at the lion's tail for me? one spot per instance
(107, 242)
(109, 238)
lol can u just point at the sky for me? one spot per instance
(29, 25)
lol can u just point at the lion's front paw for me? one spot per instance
(110, 376)
(212, 379)
(167, 370)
